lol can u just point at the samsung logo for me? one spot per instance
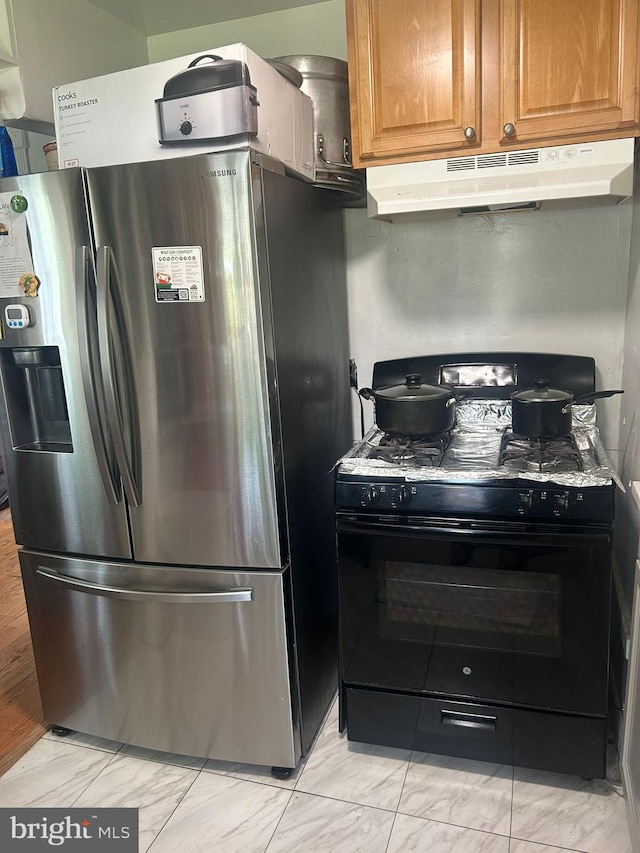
(68, 97)
(220, 173)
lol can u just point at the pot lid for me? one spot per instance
(318, 67)
(543, 394)
(287, 71)
(215, 73)
(414, 389)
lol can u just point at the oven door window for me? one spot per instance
(521, 619)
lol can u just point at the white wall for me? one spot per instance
(628, 514)
(317, 29)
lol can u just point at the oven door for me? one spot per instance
(507, 613)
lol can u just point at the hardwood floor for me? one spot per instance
(21, 722)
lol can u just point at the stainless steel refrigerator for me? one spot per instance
(172, 412)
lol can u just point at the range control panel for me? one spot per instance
(386, 495)
(481, 500)
(550, 503)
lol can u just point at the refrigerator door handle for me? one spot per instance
(89, 379)
(231, 594)
(114, 411)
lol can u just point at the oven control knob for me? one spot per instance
(405, 495)
(525, 502)
(372, 495)
(185, 128)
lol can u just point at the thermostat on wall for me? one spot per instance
(17, 316)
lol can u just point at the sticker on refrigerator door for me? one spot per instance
(178, 275)
(16, 264)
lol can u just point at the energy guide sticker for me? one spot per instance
(178, 274)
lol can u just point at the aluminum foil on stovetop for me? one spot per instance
(474, 450)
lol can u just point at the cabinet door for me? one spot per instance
(568, 68)
(414, 74)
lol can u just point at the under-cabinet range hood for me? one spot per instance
(506, 181)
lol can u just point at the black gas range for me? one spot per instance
(475, 574)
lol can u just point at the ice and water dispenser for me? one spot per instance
(35, 398)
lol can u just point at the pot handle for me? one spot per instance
(458, 395)
(589, 398)
(213, 56)
(366, 393)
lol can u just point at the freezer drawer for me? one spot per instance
(191, 661)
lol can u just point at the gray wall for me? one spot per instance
(317, 29)
(552, 281)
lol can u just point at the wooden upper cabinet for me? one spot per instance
(568, 67)
(439, 78)
(414, 77)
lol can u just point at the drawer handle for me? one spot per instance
(468, 721)
(509, 129)
(224, 596)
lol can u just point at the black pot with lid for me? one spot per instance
(217, 73)
(542, 411)
(413, 409)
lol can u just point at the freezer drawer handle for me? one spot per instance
(469, 721)
(231, 594)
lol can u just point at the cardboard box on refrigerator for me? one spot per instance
(233, 100)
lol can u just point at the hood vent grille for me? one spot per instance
(490, 161)
(493, 161)
(461, 164)
(516, 158)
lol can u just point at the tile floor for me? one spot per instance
(347, 798)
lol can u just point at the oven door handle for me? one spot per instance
(402, 528)
(502, 532)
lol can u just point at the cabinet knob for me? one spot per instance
(509, 129)
(469, 133)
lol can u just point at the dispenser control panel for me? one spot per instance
(17, 316)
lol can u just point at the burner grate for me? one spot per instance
(558, 454)
(427, 451)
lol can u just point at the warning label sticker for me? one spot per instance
(178, 274)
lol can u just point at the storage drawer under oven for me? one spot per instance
(562, 743)
(430, 725)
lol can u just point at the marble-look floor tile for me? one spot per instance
(357, 772)
(472, 794)
(82, 739)
(51, 774)
(313, 824)
(189, 761)
(223, 814)
(566, 811)
(518, 846)
(155, 789)
(417, 835)
(251, 773)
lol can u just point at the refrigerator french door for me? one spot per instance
(157, 558)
